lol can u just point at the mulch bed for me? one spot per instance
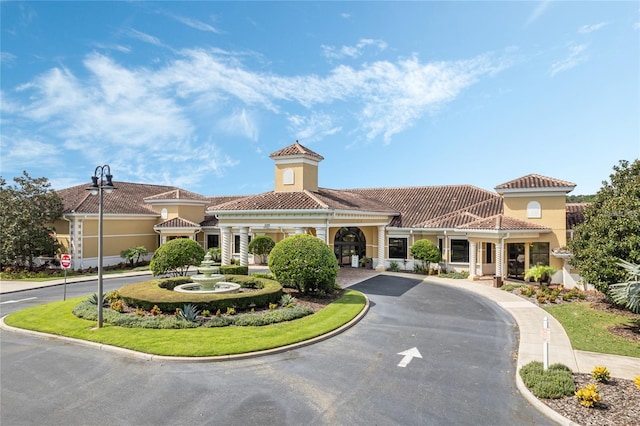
(620, 404)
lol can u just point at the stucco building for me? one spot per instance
(501, 232)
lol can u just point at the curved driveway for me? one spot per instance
(466, 375)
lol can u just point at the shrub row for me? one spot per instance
(89, 311)
(553, 383)
(149, 293)
(234, 270)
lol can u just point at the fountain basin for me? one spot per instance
(216, 288)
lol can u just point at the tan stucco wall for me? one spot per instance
(305, 177)
(118, 235)
(193, 213)
(553, 216)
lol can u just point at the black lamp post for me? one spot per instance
(98, 187)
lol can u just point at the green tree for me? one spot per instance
(133, 254)
(27, 212)
(261, 246)
(176, 256)
(425, 251)
(611, 229)
(304, 262)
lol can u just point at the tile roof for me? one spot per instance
(501, 222)
(127, 198)
(535, 181)
(575, 214)
(178, 194)
(327, 199)
(454, 219)
(209, 221)
(177, 222)
(296, 149)
(418, 205)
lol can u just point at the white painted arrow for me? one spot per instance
(409, 354)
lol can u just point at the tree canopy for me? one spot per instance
(304, 262)
(27, 212)
(261, 246)
(611, 229)
(426, 251)
(176, 256)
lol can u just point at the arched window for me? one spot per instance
(533, 210)
(348, 242)
(287, 177)
(164, 213)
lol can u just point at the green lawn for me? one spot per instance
(587, 329)
(56, 318)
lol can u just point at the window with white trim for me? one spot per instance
(534, 211)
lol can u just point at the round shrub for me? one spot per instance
(174, 257)
(426, 251)
(261, 246)
(304, 262)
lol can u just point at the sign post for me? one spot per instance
(65, 262)
(546, 338)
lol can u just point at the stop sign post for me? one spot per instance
(65, 262)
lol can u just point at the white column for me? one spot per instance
(226, 242)
(381, 266)
(473, 252)
(321, 233)
(499, 263)
(244, 246)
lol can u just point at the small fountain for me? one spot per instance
(208, 280)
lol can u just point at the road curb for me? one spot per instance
(151, 357)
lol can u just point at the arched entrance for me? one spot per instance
(349, 241)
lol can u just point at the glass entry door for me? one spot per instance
(515, 256)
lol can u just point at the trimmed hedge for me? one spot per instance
(234, 270)
(553, 383)
(149, 293)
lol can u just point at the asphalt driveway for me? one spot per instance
(465, 375)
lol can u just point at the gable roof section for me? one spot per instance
(324, 199)
(534, 181)
(418, 205)
(455, 219)
(177, 194)
(127, 198)
(177, 222)
(501, 222)
(296, 149)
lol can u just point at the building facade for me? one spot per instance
(500, 233)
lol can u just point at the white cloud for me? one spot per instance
(586, 29)
(539, 10)
(195, 24)
(576, 56)
(144, 37)
(240, 123)
(352, 51)
(154, 122)
(7, 58)
(313, 127)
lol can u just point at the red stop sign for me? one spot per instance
(65, 261)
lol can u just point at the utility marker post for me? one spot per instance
(546, 338)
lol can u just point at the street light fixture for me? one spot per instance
(99, 187)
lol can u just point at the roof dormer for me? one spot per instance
(296, 168)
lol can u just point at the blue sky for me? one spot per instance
(198, 94)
